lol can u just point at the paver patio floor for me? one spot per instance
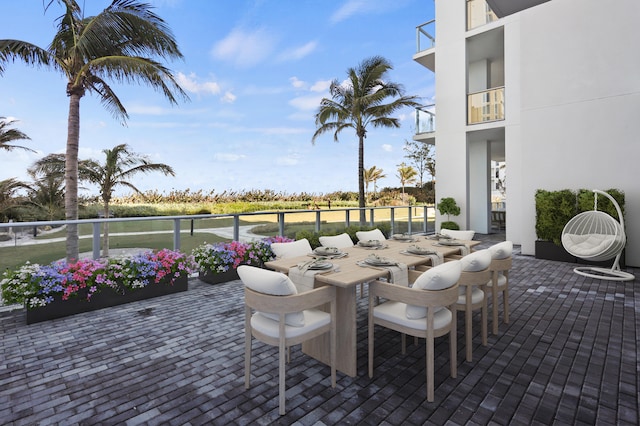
(570, 355)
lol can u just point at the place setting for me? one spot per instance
(398, 272)
(415, 250)
(372, 245)
(328, 253)
(407, 238)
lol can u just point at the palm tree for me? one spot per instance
(406, 174)
(358, 103)
(47, 191)
(10, 135)
(8, 198)
(372, 175)
(116, 44)
(120, 165)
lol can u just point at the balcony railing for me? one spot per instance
(479, 13)
(425, 35)
(189, 231)
(487, 105)
(425, 119)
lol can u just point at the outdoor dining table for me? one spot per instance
(346, 274)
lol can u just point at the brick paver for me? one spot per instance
(568, 356)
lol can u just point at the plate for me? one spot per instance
(419, 250)
(320, 265)
(370, 243)
(402, 237)
(327, 251)
(450, 243)
(380, 261)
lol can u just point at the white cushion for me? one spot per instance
(292, 249)
(337, 241)
(476, 261)
(395, 312)
(437, 278)
(477, 296)
(273, 283)
(502, 281)
(374, 234)
(312, 320)
(501, 250)
(587, 244)
(460, 235)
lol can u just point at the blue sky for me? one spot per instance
(255, 71)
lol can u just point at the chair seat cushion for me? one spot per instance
(395, 312)
(477, 296)
(476, 261)
(587, 244)
(502, 281)
(313, 319)
(292, 249)
(337, 241)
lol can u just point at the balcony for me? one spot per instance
(425, 123)
(485, 106)
(425, 45)
(479, 13)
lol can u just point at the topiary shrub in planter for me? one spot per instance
(449, 207)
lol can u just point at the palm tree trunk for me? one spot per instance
(71, 176)
(361, 203)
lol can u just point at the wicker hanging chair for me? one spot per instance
(597, 236)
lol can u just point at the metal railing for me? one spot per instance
(395, 215)
(426, 119)
(425, 36)
(487, 105)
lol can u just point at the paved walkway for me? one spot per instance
(570, 355)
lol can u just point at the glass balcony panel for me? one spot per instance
(487, 105)
(425, 36)
(425, 119)
(479, 13)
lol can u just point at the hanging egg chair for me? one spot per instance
(597, 236)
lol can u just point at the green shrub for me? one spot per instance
(449, 225)
(553, 210)
(586, 201)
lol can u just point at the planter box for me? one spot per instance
(104, 299)
(550, 251)
(218, 277)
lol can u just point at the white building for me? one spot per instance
(552, 88)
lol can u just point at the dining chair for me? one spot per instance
(499, 283)
(460, 235)
(374, 234)
(277, 315)
(338, 241)
(473, 294)
(292, 249)
(426, 310)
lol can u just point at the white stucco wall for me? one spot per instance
(580, 99)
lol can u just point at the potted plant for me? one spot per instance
(60, 289)
(449, 207)
(217, 263)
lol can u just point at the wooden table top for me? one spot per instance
(347, 273)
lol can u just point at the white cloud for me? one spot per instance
(306, 103)
(228, 157)
(356, 7)
(290, 160)
(298, 84)
(321, 86)
(243, 48)
(386, 147)
(190, 84)
(298, 52)
(228, 98)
